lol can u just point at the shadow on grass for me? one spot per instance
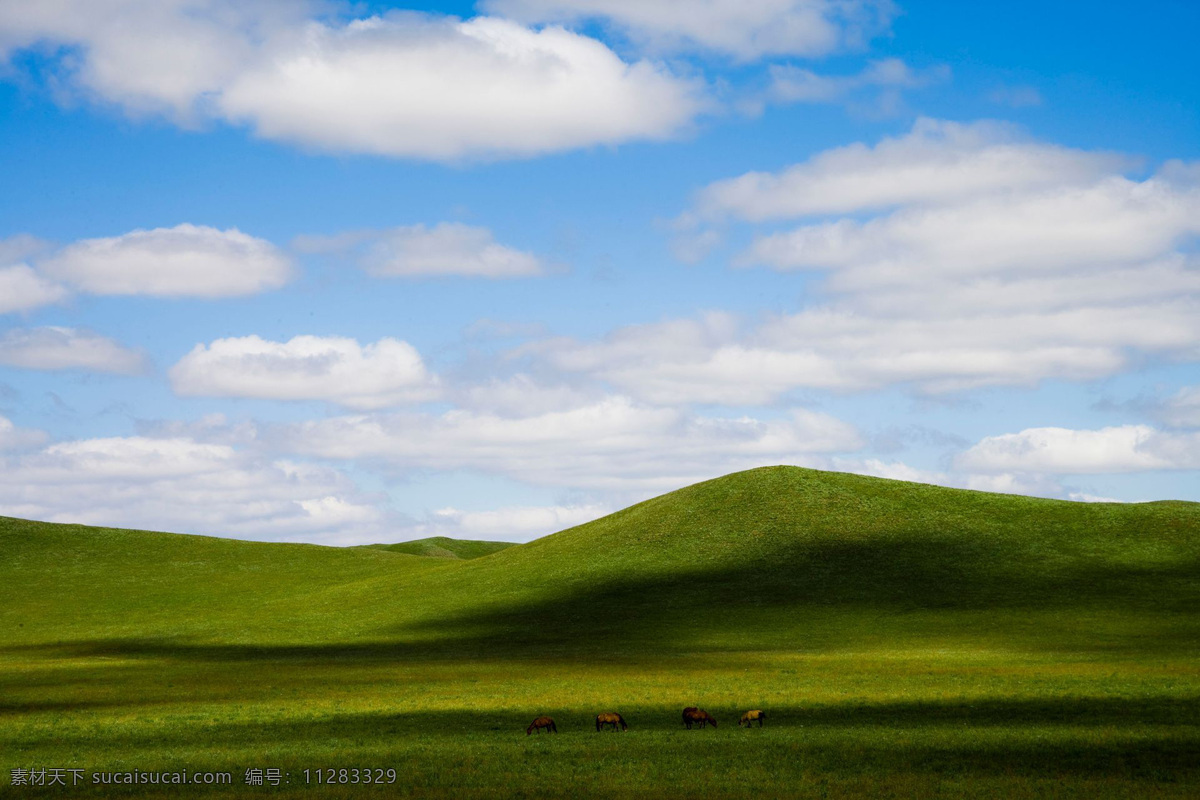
(875, 578)
(559, 616)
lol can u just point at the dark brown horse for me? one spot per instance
(751, 716)
(693, 715)
(539, 723)
(610, 718)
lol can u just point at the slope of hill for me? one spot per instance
(740, 558)
(445, 547)
(907, 640)
(757, 556)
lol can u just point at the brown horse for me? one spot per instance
(691, 715)
(610, 718)
(539, 723)
(751, 716)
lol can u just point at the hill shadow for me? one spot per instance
(888, 577)
(881, 580)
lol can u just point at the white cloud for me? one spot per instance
(1113, 222)
(792, 84)
(1164, 280)
(483, 87)
(893, 470)
(334, 369)
(21, 247)
(14, 438)
(184, 261)
(996, 482)
(54, 348)
(402, 84)
(687, 361)
(521, 395)
(1030, 484)
(610, 444)
(937, 162)
(181, 485)
(974, 348)
(417, 251)
(744, 29)
(975, 257)
(1183, 409)
(512, 524)
(1126, 448)
(149, 56)
(712, 360)
(22, 289)
(1023, 483)
(1084, 497)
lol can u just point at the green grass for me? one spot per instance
(906, 641)
(445, 547)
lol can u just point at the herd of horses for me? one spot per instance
(613, 721)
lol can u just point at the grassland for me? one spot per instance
(906, 641)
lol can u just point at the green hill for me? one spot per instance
(741, 558)
(907, 640)
(445, 547)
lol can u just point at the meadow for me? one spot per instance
(905, 640)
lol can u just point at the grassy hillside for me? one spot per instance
(445, 547)
(907, 640)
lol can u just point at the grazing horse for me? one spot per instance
(539, 723)
(610, 718)
(751, 716)
(691, 715)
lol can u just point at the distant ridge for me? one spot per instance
(444, 547)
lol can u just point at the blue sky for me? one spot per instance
(362, 272)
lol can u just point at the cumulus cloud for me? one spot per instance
(522, 395)
(685, 361)
(936, 162)
(512, 524)
(149, 56)
(1125, 448)
(22, 289)
(840, 348)
(400, 84)
(14, 438)
(178, 484)
(334, 369)
(973, 257)
(54, 348)
(743, 29)
(1113, 222)
(612, 444)
(184, 261)
(418, 251)
(485, 87)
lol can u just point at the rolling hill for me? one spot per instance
(742, 558)
(908, 640)
(444, 547)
